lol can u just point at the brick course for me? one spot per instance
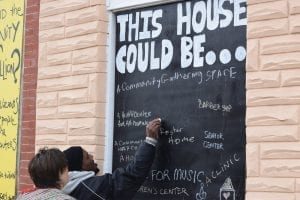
(29, 75)
(71, 89)
(273, 80)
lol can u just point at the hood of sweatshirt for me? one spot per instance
(76, 177)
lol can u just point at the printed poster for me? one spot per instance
(11, 61)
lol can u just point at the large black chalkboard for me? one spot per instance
(184, 62)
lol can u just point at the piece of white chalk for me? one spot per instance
(159, 119)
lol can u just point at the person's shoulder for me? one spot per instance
(96, 182)
(99, 178)
(20, 197)
(100, 185)
(59, 195)
(67, 197)
(31, 194)
(40, 194)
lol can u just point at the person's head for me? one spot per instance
(49, 168)
(80, 160)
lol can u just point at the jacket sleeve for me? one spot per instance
(126, 181)
(123, 183)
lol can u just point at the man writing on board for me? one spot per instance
(123, 183)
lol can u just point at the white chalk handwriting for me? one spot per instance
(133, 114)
(204, 104)
(213, 140)
(178, 174)
(199, 76)
(177, 191)
(224, 167)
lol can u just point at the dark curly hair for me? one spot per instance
(46, 166)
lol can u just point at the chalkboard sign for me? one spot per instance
(185, 63)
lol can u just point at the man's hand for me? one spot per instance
(152, 129)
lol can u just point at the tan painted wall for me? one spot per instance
(72, 75)
(72, 78)
(273, 100)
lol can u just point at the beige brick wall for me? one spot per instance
(71, 90)
(273, 100)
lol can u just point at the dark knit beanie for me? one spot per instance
(74, 156)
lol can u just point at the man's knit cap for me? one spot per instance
(74, 156)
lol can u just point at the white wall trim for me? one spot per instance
(116, 5)
(110, 96)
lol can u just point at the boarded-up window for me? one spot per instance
(185, 63)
